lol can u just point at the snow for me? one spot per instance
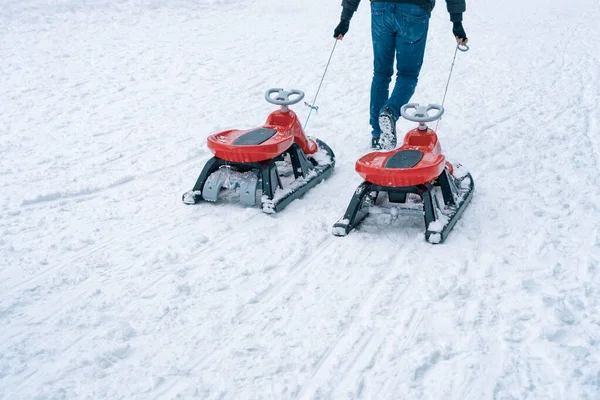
(111, 288)
(321, 157)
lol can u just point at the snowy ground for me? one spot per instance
(111, 288)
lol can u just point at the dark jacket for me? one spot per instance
(455, 7)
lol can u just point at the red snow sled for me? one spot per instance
(419, 167)
(270, 165)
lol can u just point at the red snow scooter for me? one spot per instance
(268, 166)
(413, 179)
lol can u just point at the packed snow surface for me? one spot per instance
(111, 288)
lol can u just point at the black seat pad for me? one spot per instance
(404, 159)
(255, 137)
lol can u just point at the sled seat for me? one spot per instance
(255, 137)
(404, 159)
(254, 145)
(406, 166)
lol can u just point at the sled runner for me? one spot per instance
(267, 166)
(415, 178)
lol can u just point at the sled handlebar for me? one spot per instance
(283, 97)
(421, 113)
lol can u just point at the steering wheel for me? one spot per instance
(421, 113)
(283, 97)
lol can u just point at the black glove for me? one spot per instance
(342, 28)
(459, 31)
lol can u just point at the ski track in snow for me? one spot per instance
(111, 288)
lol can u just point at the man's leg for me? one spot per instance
(412, 25)
(384, 45)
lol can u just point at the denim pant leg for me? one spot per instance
(412, 24)
(384, 50)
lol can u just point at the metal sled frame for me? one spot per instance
(456, 200)
(268, 174)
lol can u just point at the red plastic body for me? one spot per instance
(289, 131)
(371, 167)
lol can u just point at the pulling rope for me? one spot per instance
(463, 49)
(312, 106)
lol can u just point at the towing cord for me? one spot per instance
(463, 48)
(313, 105)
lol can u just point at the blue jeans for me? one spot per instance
(399, 30)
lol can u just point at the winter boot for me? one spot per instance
(375, 143)
(387, 124)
